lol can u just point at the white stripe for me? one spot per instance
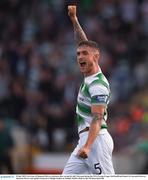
(82, 95)
(98, 89)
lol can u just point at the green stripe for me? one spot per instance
(79, 119)
(100, 76)
(84, 108)
(99, 81)
(103, 126)
(84, 90)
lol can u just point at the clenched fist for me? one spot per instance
(72, 10)
(83, 152)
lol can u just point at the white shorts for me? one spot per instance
(99, 160)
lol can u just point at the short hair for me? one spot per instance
(89, 43)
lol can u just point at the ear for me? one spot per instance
(96, 56)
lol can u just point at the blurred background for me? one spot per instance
(39, 81)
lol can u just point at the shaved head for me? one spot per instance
(91, 44)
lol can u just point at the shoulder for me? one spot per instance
(99, 85)
(98, 79)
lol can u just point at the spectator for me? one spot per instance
(6, 146)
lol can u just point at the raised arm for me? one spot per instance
(79, 34)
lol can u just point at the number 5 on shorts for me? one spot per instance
(97, 167)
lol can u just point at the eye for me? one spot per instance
(85, 53)
(78, 53)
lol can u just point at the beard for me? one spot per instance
(87, 68)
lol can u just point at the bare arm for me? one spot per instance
(97, 112)
(78, 31)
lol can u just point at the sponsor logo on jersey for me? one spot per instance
(81, 99)
(101, 98)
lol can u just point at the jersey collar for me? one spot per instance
(93, 75)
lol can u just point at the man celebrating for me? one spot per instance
(93, 154)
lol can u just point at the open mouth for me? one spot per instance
(82, 64)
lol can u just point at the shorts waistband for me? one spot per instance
(103, 126)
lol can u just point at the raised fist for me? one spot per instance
(72, 11)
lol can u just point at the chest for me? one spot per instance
(83, 95)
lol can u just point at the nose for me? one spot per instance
(79, 59)
(80, 56)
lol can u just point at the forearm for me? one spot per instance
(78, 31)
(95, 126)
(79, 34)
(93, 132)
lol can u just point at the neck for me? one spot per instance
(94, 71)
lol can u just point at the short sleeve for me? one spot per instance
(99, 94)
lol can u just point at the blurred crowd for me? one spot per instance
(39, 77)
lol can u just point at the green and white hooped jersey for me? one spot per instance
(93, 91)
